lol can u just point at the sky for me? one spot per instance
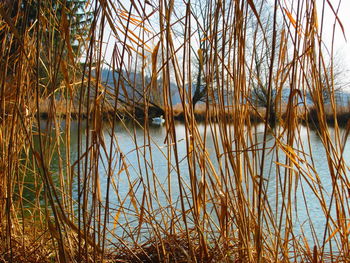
(341, 45)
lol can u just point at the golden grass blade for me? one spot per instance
(241, 176)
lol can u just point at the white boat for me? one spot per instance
(158, 120)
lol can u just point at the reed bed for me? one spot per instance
(70, 190)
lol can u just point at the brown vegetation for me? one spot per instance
(90, 202)
(202, 113)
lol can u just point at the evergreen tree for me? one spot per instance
(63, 26)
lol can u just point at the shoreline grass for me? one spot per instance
(91, 203)
(256, 114)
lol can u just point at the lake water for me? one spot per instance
(153, 168)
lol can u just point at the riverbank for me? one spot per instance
(171, 248)
(202, 113)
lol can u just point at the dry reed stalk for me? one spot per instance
(215, 202)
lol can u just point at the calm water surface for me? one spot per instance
(141, 161)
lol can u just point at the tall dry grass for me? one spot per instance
(57, 203)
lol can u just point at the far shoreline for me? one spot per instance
(202, 113)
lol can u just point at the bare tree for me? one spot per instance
(206, 13)
(334, 79)
(261, 63)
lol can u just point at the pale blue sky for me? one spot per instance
(341, 46)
